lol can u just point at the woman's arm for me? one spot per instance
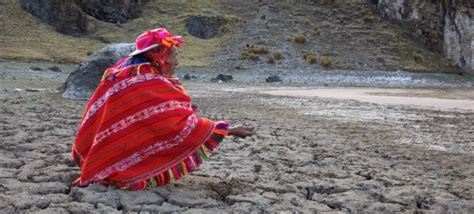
(241, 131)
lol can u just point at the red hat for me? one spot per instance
(156, 38)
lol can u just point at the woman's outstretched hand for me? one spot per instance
(241, 131)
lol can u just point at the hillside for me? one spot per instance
(349, 35)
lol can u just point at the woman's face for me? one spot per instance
(172, 61)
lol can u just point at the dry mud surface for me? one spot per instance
(310, 154)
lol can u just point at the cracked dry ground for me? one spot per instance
(308, 155)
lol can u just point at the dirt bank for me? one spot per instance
(309, 154)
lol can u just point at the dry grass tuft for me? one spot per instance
(260, 50)
(418, 58)
(271, 60)
(249, 56)
(256, 49)
(231, 19)
(369, 19)
(326, 62)
(326, 2)
(252, 53)
(310, 57)
(306, 22)
(278, 55)
(224, 29)
(300, 39)
(317, 30)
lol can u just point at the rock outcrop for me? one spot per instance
(70, 17)
(204, 26)
(65, 16)
(82, 82)
(446, 26)
(112, 11)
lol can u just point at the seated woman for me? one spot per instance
(139, 129)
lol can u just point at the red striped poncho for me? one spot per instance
(139, 130)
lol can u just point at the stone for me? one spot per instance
(222, 78)
(42, 203)
(112, 11)
(187, 77)
(204, 26)
(35, 68)
(82, 82)
(273, 78)
(55, 69)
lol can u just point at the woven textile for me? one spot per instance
(139, 130)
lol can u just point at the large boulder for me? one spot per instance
(82, 82)
(444, 26)
(70, 17)
(112, 11)
(204, 26)
(65, 16)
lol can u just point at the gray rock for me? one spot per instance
(204, 26)
(273, 78)
(51, 210)
(163, 208)
(42, 203)
(76, 207)
(444, 26)
(459, 36)
(102, 208)
(112, 11)
(222, 78)
(35, 68)
(55, 68)
(187, 77)
(82, 82)
(87, 195)
(65, 16)
(185, 199)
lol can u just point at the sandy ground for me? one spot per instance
(310, 154)
(436, 99)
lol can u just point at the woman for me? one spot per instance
(139, 129)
